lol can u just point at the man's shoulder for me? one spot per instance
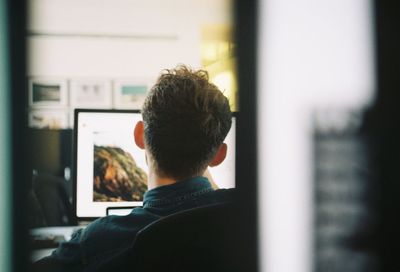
(109, 235)
(135, 220)
(114, 229)
(220, 196)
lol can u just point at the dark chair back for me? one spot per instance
(201, 239)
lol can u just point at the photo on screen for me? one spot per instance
(116, 175)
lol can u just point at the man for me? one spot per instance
(185, 121)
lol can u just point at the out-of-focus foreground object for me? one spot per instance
(5, 150)
(313, 57)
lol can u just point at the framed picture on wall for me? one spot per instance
(90, 93)
(48, 92)
(130, 94)
(47, 118)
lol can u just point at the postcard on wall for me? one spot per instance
(90, 93)
(50, 119)
(48, 92)
(130, 94)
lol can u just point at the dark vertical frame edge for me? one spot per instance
(21, 175)
(245, 14)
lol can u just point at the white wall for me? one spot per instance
(313, 54)
(147, 36)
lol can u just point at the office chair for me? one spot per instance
(200, 239)
(51, 195)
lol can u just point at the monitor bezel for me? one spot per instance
(75, 157)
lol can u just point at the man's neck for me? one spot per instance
(155, 180)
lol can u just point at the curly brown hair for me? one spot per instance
(186, 120)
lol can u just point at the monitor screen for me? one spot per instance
(119, 210)
(111, 171)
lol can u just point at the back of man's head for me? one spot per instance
(186, 120)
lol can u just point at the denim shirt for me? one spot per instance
(107, 237)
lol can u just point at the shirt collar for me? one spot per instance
(168, 193)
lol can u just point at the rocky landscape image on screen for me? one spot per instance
(116, 176)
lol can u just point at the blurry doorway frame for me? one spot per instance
(245, 25)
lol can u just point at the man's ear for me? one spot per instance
(139, 134)
(220, 155)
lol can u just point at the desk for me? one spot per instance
(64, 231)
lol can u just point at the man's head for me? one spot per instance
(186, 119)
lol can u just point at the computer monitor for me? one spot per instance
(111, 171)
